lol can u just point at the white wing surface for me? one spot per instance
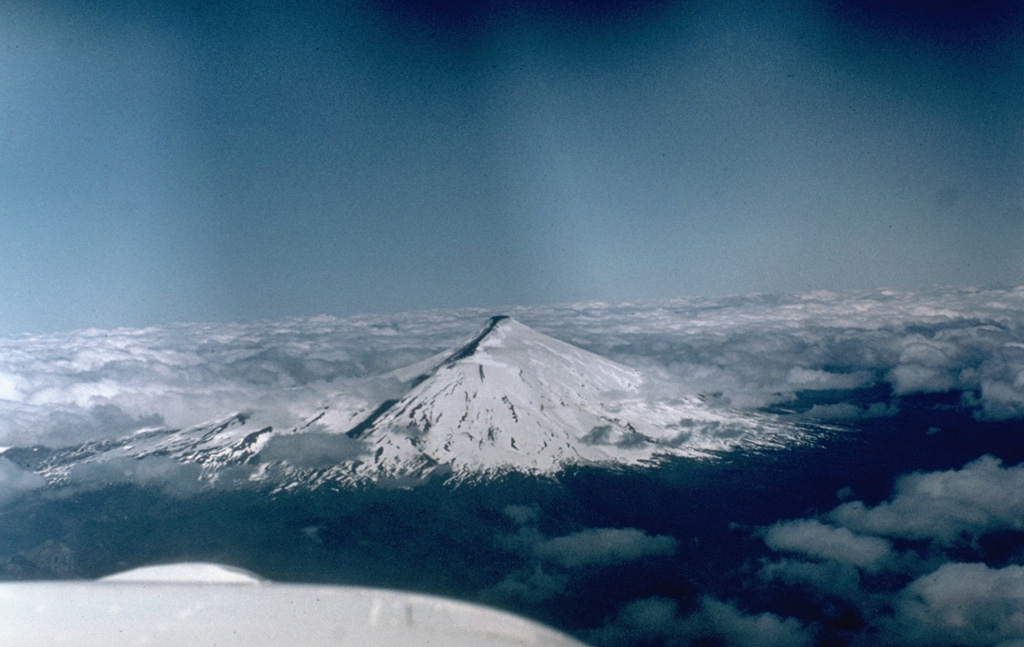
(208, 605)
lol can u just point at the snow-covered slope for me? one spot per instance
(515, 399)
(511, 399)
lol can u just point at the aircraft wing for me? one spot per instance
(210, 605)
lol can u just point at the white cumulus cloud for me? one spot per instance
(961, 605)
(657, 620)
(981, 497)
(819, 541)
(596, 546)
(925, 592)
(15, 480)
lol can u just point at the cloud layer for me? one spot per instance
(67, 388)
(860, 353)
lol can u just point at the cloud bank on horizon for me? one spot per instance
(860, 352)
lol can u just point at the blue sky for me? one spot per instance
(234, 161)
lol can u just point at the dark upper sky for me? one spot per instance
(168, 161)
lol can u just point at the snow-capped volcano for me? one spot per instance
(511, 399)
(515, 399)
